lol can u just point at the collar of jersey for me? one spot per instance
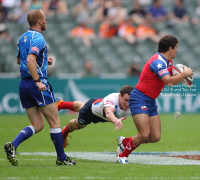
(163, 57)
(34, 30)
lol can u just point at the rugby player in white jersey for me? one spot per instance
(113, 108)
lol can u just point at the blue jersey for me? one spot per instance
(32, 42)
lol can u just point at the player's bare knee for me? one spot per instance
(144, 137)
(75, 124)
(38, 127)
(54, 122)
(79, 126)
(154, 139)
(72, 122)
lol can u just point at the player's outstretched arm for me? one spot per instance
(109, 114)
(178, 78)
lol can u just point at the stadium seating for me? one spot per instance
(107, 55)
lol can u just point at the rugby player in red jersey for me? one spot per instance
(155, 75)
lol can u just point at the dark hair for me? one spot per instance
(33, 17)
(166, 42)
(126, 89)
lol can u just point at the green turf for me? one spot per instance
(177, 135)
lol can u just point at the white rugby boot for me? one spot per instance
(120, 146)
(122, 160)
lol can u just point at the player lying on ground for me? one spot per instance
(113, 108)
(155, 74)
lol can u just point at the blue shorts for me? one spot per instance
(30, 96)
(141, 103)
(86, 116)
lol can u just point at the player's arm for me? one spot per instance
(18, 54)
(159, 67)
(37, 44)
(109, 114)
(32, 67)
(178, 78)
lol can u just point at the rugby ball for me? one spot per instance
(177, 69)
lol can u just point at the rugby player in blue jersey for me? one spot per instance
(36, 94)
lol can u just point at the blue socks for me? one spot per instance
(56, 137)
(24, 134)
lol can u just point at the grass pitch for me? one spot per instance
(177, 135)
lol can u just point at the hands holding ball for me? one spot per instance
(179, 68)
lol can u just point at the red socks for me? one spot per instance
(65, 132)
(66, 105)
(129, 148)
(125, 141)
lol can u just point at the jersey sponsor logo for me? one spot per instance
(109, 102)
(144, 108)
(163, 72)
(159, 66)
(35, 49)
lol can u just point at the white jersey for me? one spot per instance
(112, 101)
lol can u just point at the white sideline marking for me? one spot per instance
(137, 158)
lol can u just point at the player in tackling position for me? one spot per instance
(113, 108)
(155, 74)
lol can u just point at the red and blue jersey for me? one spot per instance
(150, 82)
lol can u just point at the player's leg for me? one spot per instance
(70, 127)
(37, 125)
(84, 118)
(29, 103)
(155, 124)
(73, 106)
(77, 105)
(36, 118)
(155, 129)
(50, 112)
(143, 128)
